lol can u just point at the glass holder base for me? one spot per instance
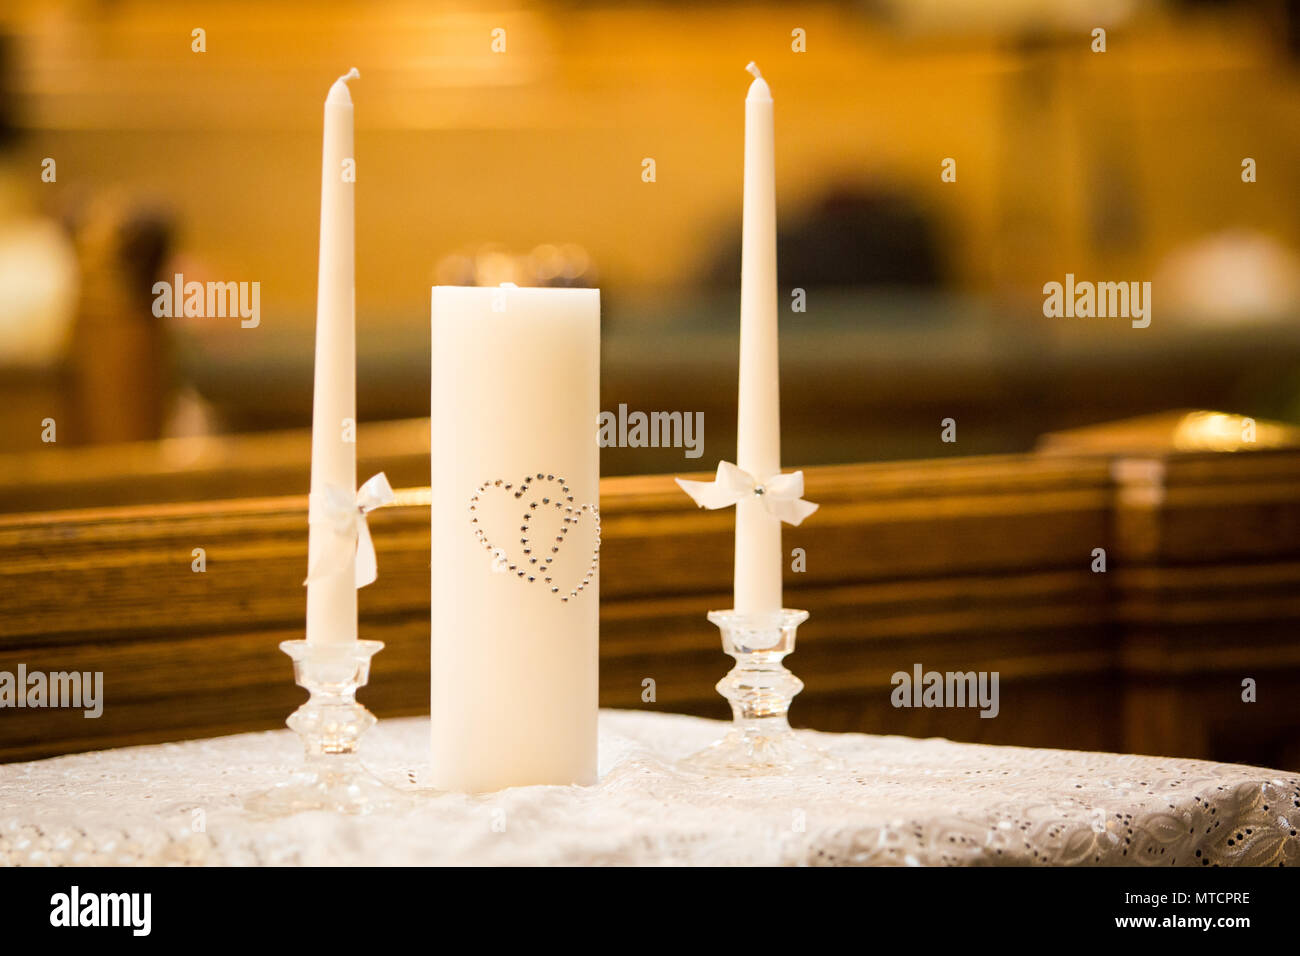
(334, 783)
(760, 689)
(330, 724)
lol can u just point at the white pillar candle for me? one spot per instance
(332, 596)
(515, 536)
(758, 428)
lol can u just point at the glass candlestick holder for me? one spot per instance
(760, 689)
(330, 724)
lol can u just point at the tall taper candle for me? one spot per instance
(758, 428)
(515, 536)
(332, 597)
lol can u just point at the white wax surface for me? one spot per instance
(332, 599)
(759, 562)
(514, 393)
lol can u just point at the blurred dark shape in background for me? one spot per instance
(9, 98)
(119, 367)
(852, 237)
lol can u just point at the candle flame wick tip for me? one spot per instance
(352, 74)
(753, 68)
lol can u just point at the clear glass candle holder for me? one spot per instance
(330, 724)
(760, 689)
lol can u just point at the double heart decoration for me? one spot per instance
(542, 492)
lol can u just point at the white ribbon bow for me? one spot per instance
(782, 495)
(346, 517)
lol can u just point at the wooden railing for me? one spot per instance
(981, 564)
(199, 469)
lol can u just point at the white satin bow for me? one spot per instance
(346, 517)
(782, 495)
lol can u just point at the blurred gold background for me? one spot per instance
(924, 297)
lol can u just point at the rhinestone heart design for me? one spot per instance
(538, 556)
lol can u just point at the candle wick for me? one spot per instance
(753, 68)
(352, 74)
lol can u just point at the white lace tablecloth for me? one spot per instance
(900, 801)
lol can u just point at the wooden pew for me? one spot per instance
(199, 469)
(962, 564)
